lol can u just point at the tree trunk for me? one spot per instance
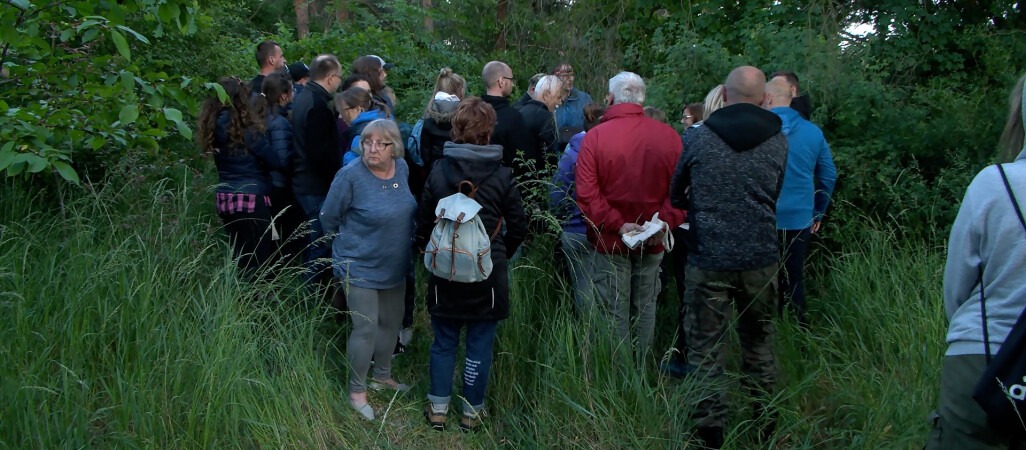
(341, 11)
(429, 23)
(302, 18)
(500, 21)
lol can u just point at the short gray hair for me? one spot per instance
(385, 128)
(627, 87)
(548, 83)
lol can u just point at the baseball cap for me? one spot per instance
(384, 64)
(299, 71)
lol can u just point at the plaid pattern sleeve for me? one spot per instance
(230, 203)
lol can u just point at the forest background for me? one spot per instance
(121, 322)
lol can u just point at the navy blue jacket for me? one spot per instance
(243, 168)
(279, 133)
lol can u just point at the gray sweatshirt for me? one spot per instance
(986, 232)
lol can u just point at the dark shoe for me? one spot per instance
(435, 419)
(712, 437)
(676, 368)
(471, 421)
(399, 349)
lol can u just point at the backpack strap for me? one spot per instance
(983, 305)
(473, 189)
(498, 227)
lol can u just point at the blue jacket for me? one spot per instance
(352, 134)
(246, 169)
(810, 175)
(563, 196)
(279, 133)
(570, 113)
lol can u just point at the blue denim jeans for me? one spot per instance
(577, 250)
(317, 250)
(480, 337)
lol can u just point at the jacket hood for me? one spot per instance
(789, 117)
(368, 116)
(473, 152)
(743, 126)
(535, 103)
(440, 110)
(803, 105)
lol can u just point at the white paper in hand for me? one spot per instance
(650, 228)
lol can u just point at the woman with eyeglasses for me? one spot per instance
(234, 134)
(371, 209)
(357, 108)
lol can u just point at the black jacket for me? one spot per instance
(244, 167)
(540, 132)
(522, 101)
(436, 131)
(508, 131)
(315, 142)
(499, 198)
(734, 164)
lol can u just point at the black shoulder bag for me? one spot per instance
(1001, 391)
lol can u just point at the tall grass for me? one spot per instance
(123, 323)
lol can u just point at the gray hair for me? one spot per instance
(627, 87)
(387, 129)
(548, 83)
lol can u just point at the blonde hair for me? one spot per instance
(713, 101)
(450, 83)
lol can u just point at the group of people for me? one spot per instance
(310, 144)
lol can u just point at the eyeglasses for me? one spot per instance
(374, 145)
(508, 78)
(565, 73)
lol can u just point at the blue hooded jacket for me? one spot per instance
(570, 113)
(810, 174)
(354, 131)
(243, 167)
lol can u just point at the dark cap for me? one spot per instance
(387, 66)
(299, 71)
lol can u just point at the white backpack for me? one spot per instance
(460, 249)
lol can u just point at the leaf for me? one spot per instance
(221, 94)
(16, 168)
(90, 34)
(173, 115)
(7, 155)
(134, 33)
(67, 34)
(184, 129)
(129, 113)
(97, 143)
(3, 107)
(127, 80)
(87, 24)
(36, 163)
(185, 81)
(121, 44)
(21, 4)
(66, 171)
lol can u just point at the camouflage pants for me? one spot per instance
(709, 296)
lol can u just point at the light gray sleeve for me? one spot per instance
(961, 272)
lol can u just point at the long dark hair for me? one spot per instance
(239, 110)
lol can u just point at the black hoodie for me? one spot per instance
(734, 165)
(509, 130)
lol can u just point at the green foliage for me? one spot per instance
(124, 324)
(74, 100)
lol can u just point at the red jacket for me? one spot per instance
(623, 175)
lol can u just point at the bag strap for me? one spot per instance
(473, 189)
(498, 227)
(1011, 196)
(983, 305)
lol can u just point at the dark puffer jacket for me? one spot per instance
(499, 198)
(243, 168)
(315, 141)
(279, 133)
(508, 131)
(436, 131)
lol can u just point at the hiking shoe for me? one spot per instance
(387, 385)
(471, 421)
(436, 417)
(676, 368)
